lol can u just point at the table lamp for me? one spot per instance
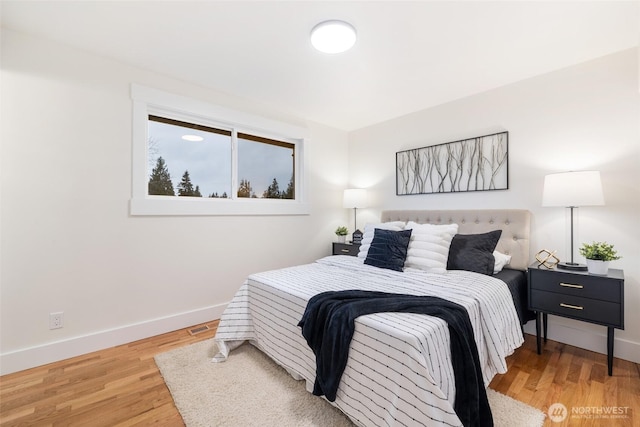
(355, 198)
(571, 190)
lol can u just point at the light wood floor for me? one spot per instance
(577, 379)
(122, 386)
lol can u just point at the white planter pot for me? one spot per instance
(594, 266)
(341, 239)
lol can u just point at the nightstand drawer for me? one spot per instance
(346, 249)
(578, 285)
(587, 309)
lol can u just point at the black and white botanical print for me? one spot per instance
(474, 164)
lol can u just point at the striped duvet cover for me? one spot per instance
(399, 371)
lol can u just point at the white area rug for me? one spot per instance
(249, 389)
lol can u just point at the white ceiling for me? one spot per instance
(409, 55)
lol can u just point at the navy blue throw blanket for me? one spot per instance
(328, 325)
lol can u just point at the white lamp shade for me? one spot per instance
(354, 198)
(568, 189)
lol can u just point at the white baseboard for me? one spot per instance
(589, 340)
(31, 357)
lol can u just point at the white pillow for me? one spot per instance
(367, 236)
(501, 261)
(429, 246)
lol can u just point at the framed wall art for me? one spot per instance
(474, 164)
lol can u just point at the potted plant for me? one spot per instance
(598, 255)
(341, 232)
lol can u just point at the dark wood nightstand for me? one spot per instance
(346, 249)
(578, 295)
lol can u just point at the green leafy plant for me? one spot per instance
(341, 231)
(601, 251)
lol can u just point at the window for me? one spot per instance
(186, 159)
(265, 165)
(193, 158)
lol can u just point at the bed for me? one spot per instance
(399, 369)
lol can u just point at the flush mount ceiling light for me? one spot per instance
(194, 138)
(333, 36)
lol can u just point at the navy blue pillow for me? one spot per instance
(388, 249)
(473, 252)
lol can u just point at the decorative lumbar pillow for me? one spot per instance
(369, 228)
(429, 246)
(501, 261)
(388, 249)
(473, 252)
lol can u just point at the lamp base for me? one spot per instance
(574, 266)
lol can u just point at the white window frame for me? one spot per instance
(153, 101)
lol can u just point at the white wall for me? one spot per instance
(579, 118)
(68, 242)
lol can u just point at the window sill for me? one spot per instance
(182, 206)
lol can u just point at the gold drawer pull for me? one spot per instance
(346, 251)
(575, 307)
(569, 285)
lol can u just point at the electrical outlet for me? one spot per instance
(55, 320)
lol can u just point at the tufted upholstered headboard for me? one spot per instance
(514, 223)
